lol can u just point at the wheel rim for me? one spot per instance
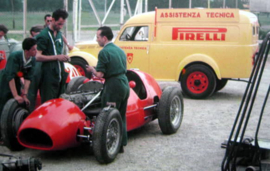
(197, 82)
(113, 136)
(19, 116)
(175, 111)
(80, 69)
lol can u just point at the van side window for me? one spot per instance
(138, 33)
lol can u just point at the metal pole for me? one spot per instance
(128, 7)
(170, 3)
(190, 3)
(121, 13)
(66, 25)
(208, 3)
(224, 3)
(236, 3)
(24, 18)
(146, 6)
(75, 16)
(108, 11)
(80, 19)
(95, 11)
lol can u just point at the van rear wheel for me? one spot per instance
(198, 81)
(221, 84)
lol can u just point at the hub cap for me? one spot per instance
(197, 82)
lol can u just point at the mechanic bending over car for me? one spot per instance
(3, 30)
(112, 66)
(51, 78)
(19, 64)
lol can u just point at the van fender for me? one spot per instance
(195, 58)
(89, 58)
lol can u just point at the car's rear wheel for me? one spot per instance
(75, 84)
(221, 84)
(80, 65)
(107, 136)
(13, 115)
(198, 81)
(170, 110)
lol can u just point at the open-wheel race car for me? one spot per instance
(77, 117)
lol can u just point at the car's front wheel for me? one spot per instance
(170, 110)
(107, 136)
(11, 119)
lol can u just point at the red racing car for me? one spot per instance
(77, 117)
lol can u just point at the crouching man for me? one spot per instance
(19, 64)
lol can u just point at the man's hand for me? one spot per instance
(19, 99)
(90, 68)
(94, 72)
(27, 102)
(62, 58)
(70, 47)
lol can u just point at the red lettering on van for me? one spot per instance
(191, 33)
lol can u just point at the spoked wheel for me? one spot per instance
(12, 117)
(198, 81)
(170, 110)
(80, 65)
(75, 84)
(107, 136)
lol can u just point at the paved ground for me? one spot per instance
(195, 147)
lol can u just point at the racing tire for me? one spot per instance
(170, 110)
(107, 135)
(221, 84)
(75, 84)
(198, 81)
(12, 117)
(80, 65)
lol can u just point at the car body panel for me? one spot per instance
(63, 117)
(59, 121)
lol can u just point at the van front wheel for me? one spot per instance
(80, 65)
(198, 81)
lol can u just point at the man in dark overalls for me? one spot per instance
(112, 65)
(19, 64)
(52, 78)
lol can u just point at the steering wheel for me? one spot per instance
(128, 37)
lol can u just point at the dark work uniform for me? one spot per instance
(50, 77)
(16, 67)
(112, 62)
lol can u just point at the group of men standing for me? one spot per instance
(41, 64)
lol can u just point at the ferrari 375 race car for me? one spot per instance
(77, 117)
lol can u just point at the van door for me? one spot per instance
(134, 40)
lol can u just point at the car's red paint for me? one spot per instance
(61, 120)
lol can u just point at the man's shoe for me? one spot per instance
(121, 149)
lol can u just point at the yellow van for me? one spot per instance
(201, 48)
